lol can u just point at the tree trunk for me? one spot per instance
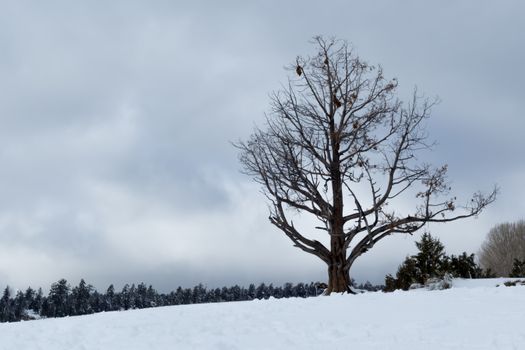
(338, 279)
(338, 276)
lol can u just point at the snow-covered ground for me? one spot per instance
(472, 315)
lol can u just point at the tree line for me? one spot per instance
(64, 300)
(430, 263)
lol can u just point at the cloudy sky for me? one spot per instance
(116, 120)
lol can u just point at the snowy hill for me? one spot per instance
(473, 315)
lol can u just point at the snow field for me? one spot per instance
(475, 315)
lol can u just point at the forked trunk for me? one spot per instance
(338, 280)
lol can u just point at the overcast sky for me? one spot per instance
(116, 120)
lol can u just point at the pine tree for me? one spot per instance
(47, 309)
(226, 294)
(407, 274)
(430, 259)
(270, 290)
(96, 302)
(140, 301)
(178, 295)
(6, 310)
(287, 290)
(278, 292)
(59, 299)
(30, 296)
(125, 297)
(218, 297)
(301, 290)
(187, 297)
(151, 297)
(262, 291)
(251, 291)
(36, 306)
(464, 266)
(199, 294)
(518, 268)
(19, 306)
(133, 297)
(81, 298)
(236, 293)
(109, 299)
(390, 283)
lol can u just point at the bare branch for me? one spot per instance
(335, 129)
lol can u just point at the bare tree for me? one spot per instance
(504, 243)
(338, 145)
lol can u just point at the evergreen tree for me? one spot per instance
(251, 291)
(199, 294)
(217, 293)
(211, 296)
(278, 292)
(47, 309)
(236, 293)
(312, 289)
(59, 299)
(132, 296)
(301, 290)
(464, 266)
(390, 283)
(19, 306)
(226, 294)
(177, 298)
(125, 297)
(81, 298)
(518, 268)
(6, 310)
(262, 291)
(369, 287)
(140, 301)
(96, 302)
(36, 306)
(30, 298)
(270, 291)
(187, 297)
(430, 260)
(408, 273)
(287, 290)
(109, 299)
(151, 297)
(117, 301)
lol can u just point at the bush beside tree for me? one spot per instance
(431, 262)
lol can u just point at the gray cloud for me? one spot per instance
(116, 121)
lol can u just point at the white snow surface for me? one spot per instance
(477, 315)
